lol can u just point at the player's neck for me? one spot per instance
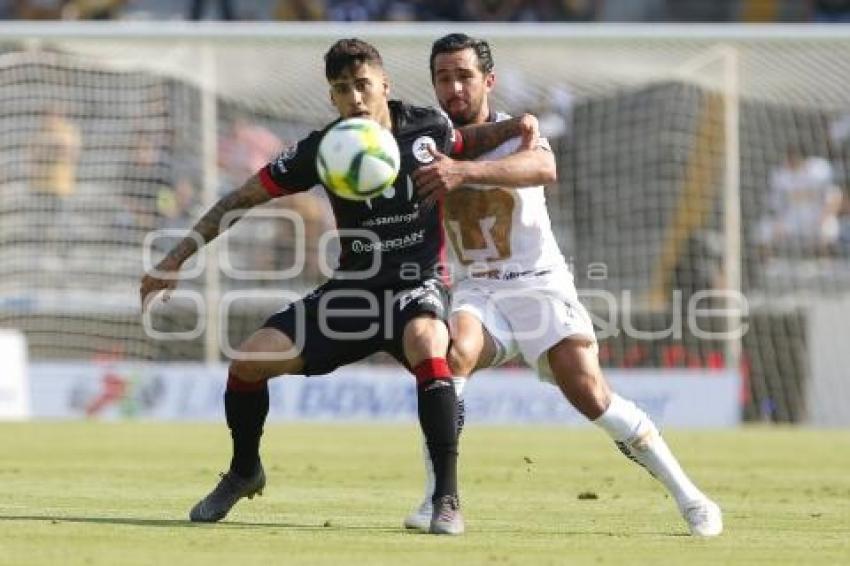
(384, 118)
(483, 115)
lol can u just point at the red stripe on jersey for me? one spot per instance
(457, 146)
(270, 185)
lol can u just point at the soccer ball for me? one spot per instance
(357, 159)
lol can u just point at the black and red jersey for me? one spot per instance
(404, 233)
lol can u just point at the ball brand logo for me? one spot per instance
(420, 149)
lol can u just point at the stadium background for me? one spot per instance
(638, 117)
(656, 128)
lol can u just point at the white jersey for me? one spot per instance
(500, 229)
(510, 273)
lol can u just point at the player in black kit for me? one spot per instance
(388, 276)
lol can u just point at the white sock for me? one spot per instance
(430, 480)
(637, 437)
(459, 383)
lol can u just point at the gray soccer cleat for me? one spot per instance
(230, 489)
(447, 518)
(420, 518)
(703, 517)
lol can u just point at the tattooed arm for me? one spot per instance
(481, 138)
(164, 276)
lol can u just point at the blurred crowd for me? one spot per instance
(434, 10)
(58, 201)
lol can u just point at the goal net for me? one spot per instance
(699, 199)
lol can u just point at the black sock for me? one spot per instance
(246, 413)
(438, 417)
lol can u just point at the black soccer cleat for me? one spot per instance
(230, 489)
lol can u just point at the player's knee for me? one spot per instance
(426, 338)
(463, 355)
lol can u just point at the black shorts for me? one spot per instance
(338, 324)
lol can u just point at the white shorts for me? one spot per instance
(526, 315)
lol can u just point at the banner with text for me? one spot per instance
(193, 392)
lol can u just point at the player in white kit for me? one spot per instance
(514, 293)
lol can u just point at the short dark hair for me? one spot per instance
(460, 41)
(346, 53)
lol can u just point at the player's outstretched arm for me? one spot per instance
(525, 168)
(163, 277)
(481, 138)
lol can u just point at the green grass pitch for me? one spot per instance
(118, 494)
